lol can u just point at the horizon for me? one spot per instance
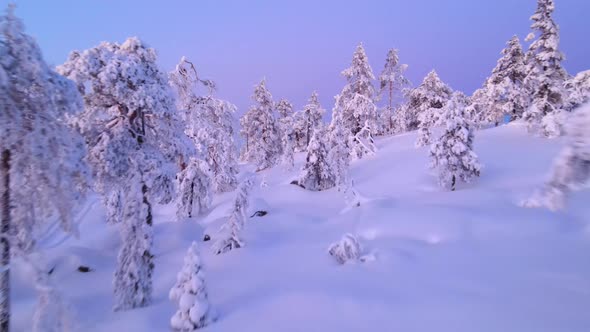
(297, 59)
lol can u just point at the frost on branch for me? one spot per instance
(347, 249)
(190, 295)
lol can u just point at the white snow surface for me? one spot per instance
(469, 260)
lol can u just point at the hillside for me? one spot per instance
(469, 260)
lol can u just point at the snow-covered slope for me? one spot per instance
(469, 260)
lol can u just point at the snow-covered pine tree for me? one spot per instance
(260, 130)
(317, 173)
(579, 89)
(545, 79)
(452, 154)
(42, 169)
(392, 80)
(355, 104)
(209, 123)
(135, 141)
(229, 234)
(340, 144)
(571, 168)
(190, 295)
(286, 128)
(426, 103)
(194, 189)
(504, 88)
(312, 115)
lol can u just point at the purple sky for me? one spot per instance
(303, 45)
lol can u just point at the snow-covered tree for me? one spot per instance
(317, 173)
(135, 262)
(286, 128)
(339, 153)
(363, 143)
(209, 123)
(452, 154)
(345, 250)
(571, 169)
(229, 234)
(190, 295)
(135, 141)
(355, 104)
(51, 314)
(194, 188)
(424, 107)
(260, 130)
(392, 80)
(579, 89)
(545, 79)
(504, 88)
(312, 115)
(42, 170)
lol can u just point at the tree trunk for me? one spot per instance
(5, 229)
(453, 183)
(390, 107)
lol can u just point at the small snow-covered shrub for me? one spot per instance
(190, 294)
(347, 249)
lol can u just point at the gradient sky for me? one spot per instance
(303, 45)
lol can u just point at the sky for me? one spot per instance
(303, 45)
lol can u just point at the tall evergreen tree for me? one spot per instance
(286, 126)
(356, 101)
(42, 169)
(260, 130)
(425, 104)
(391, 80)
(546, 77)
(312, 115)
(504, 88)
(317, 173)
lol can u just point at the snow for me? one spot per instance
(469, 260)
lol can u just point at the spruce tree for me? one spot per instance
(355, 104)
(190, 295)
(229, 235)
(260, 130)
(425, 104)
(312, 115)
(452, 154)
(504, 88)
(545, 79)
(286, 128)
(317, 173)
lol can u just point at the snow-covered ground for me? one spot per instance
(469, 260)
